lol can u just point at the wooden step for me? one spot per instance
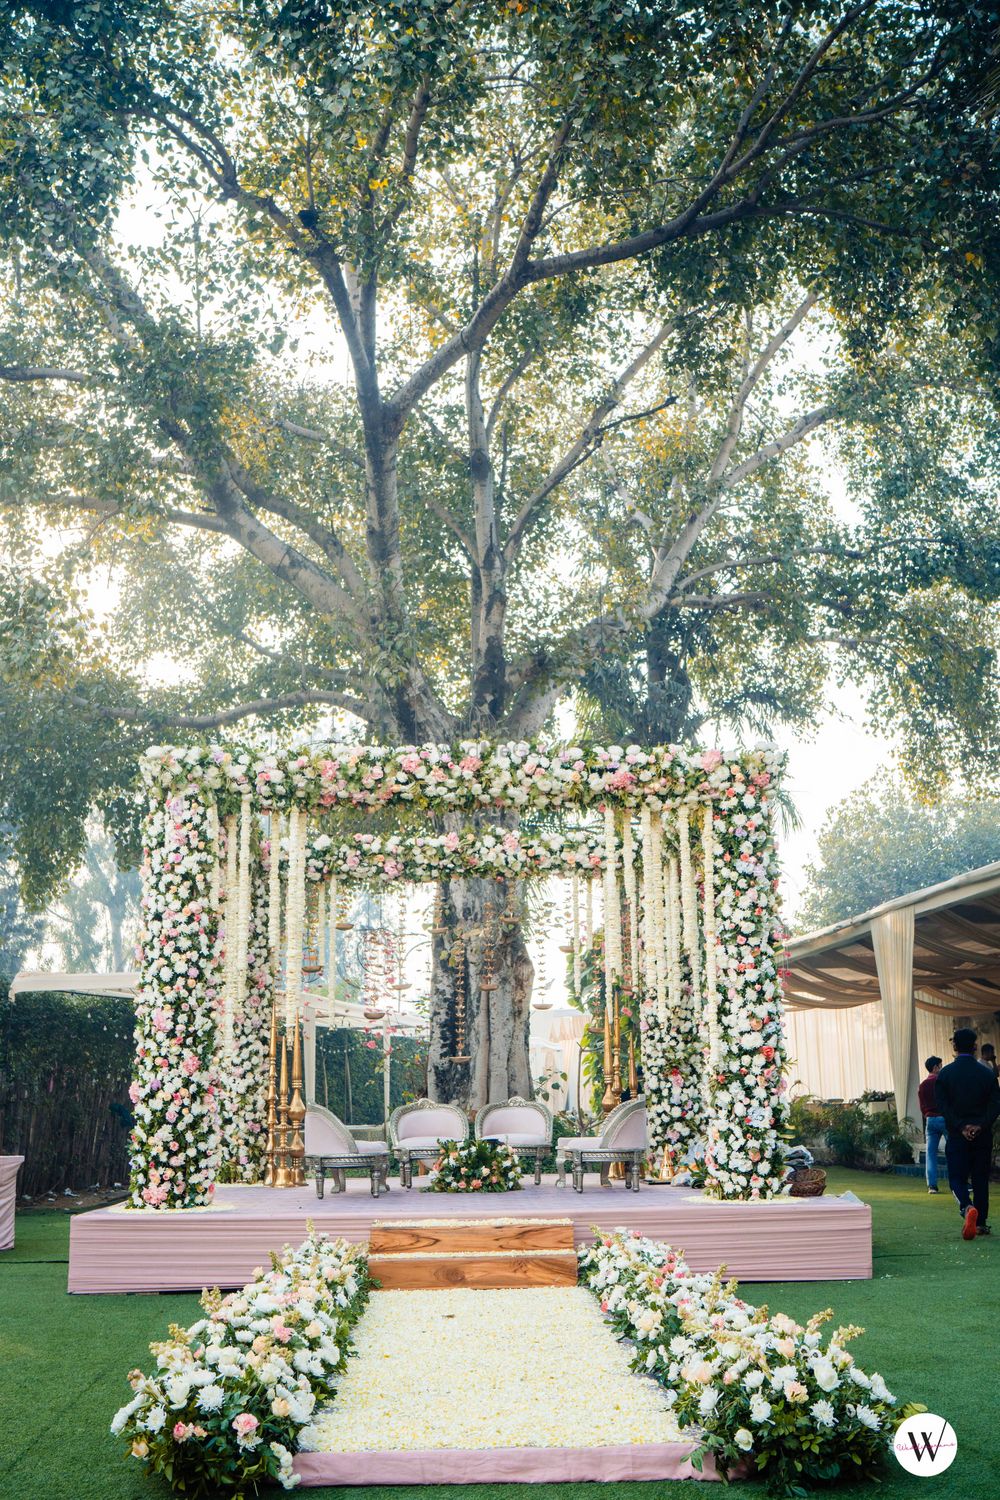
(463, 1236)
(485, 1270)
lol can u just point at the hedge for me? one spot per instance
(65, 1067)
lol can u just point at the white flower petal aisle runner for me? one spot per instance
(505, 1385)
(646, 1371)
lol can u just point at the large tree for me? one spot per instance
(443, 292)
(883, 842)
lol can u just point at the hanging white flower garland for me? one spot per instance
(631, 896)
(295, 901)
(711, 954)
(331, 927)
(274, 887)
(689, 903)
(612, 909)
(230, 899)
(588, 914)
(574, 887)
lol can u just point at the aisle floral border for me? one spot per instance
(760, 1389)
(223, 1411)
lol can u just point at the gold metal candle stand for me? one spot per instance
(608, 1101)
(296, 1112)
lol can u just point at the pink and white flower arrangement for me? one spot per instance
(760, 1389)
(223, 1411)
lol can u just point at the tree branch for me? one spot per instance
(259, 706)
(589, 437)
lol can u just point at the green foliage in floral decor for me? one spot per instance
(231, 1396)
(475, 1167)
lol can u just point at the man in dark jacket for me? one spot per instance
(968, 1096)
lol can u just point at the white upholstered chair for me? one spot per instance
(525, 1125)
(417, 1130)
(622, 1138)
(330, 1146)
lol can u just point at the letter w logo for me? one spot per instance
(928, 1449)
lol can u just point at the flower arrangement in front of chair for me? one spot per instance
(225, 1410)
(475, 1167)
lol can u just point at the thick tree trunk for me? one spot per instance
(496, 1021)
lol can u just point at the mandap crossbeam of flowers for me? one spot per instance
(243, 858)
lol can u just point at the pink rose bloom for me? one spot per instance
(510, 842)
(181, 1432)
(190, 1064)
(160, 1021)
(451, 841)
(621, 780)
(410, 763)
(352, 861)
(244, 1424)
(710, 760)
(134, 1092)
(392, 868)
(280, 1330)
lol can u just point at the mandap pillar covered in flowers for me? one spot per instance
(244, 854)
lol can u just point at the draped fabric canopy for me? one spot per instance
(936, 950)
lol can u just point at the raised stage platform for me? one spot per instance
(788, 1239)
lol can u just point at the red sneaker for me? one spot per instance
(969, 1223)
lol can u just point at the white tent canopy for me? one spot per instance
(933, 953)
(29, 982)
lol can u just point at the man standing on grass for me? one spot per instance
(934, 1126)
(968, 1096)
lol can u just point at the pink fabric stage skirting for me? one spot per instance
(789, 1239)
(503, 1465)
(9, 1166)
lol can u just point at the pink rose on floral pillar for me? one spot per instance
(710, 760)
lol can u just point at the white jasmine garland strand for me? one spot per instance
(274, 888)
(612, 910)
(689, 903)
(631, 894)
(673, 941)
(575, 904)
(711, 954)
(230, 928)
(242, 916)
(295, 912)
(321, 931)
(648, 926)
(588, 914)
(331, 973)
(662, 968)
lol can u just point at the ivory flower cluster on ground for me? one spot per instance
(760, 1388)
(223, 1411)
(488, 1369)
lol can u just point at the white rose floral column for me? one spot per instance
(745, 1082)
(175, 1138)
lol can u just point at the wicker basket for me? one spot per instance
(808, 1182)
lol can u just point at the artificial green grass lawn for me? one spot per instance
(929, 1311)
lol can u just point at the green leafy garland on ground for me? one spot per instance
(475, 1167)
